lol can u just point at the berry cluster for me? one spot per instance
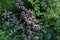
(30, 20)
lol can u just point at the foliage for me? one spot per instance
(47, 13)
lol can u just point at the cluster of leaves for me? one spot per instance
(47, 13)
(9, 20)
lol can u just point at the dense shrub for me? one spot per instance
(47, 12)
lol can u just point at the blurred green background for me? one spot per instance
(47, 13)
